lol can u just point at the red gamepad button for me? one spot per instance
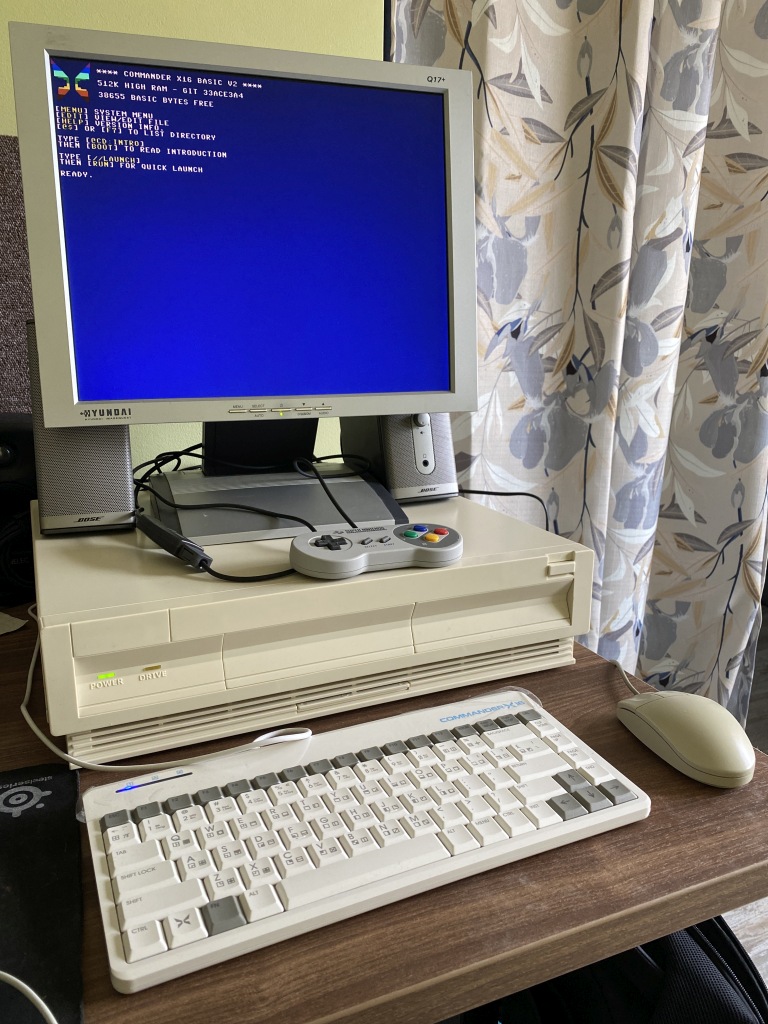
(441, 530)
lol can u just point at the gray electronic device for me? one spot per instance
(346, 553)
(412, 455)
(84, 477)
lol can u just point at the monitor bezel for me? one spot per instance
(31, 49)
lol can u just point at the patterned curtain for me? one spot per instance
(621, 161)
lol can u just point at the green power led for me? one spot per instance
(106, 675)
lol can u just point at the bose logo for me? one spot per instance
(89, 519)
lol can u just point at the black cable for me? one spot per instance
(511, 494)
(323, 484)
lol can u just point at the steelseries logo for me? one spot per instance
(107, 412)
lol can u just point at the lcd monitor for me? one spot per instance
(222, 233)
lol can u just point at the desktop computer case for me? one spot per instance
(142, 654)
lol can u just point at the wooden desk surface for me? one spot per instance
(701, 852)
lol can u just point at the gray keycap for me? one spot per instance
(571, 780)
(529, 715)
(567, 806)
(292, 774)
(222, 915)
(143, 811)
(237, 787)
(616, 791)
(593, 799)
(113, 819)
(205, 796)
(177, 803)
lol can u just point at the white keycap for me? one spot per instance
(537, 789)
(537, 767)
(444, 793)
(475, 807)
(458, 839)
(496, 738)
(253, 800)
(339, 799)
(531, 747)
(369, 771)
(448, 751)
(212, 835)
(263, 844)
(189, 817)
(423, 777)
(296, 836)
(195, 865)
(496, 778)
(476, 763)
(148, 876)
(309, 807)
(500, 757)
(159, 903)
(156, 827)
(314, 785)
(541, 814)
(341, 778)
(422, 756)
(592, 771)
(260, 903)
(356, 842)
(369, 792)
(143, 940)
(326, 853)
(283, 793)
(224, 883)
(183, 928)
(121, 835)
(470, 785)
(416, 800)
(487, 831)
(278, 817)
(178, 844)
(557, 740)
(396, 784)
(472, 744)
(503, 800)
(396, 764)
(328, 826)
(123, 857)
(382, 862)
(514, 822)
(390, 807)
(293, 862)
(249, 824)
(222, 809)
(230, 855)
(358, 816)
(449, 771)
(388, 833)
(259, 872)
(448, 815)
(576, 756)
(419, 824)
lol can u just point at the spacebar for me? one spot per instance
(339, 877)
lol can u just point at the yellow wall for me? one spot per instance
(345, 27)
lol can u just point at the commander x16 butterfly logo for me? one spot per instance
(82, 79)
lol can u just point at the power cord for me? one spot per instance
(286, 735)
(511, 494)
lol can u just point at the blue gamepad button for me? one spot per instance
(420, 528)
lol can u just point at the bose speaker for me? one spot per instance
(84, 478)
(412, 455)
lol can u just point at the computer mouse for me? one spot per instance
(694, 734)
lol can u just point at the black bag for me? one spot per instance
(701, 975)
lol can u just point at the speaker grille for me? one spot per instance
(81, 471)
(400, 456)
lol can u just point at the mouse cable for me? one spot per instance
(511, 494)
(634, 689)
(285, 735)
(32, 996)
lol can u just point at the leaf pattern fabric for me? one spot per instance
(621, 161)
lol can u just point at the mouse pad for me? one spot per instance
(40, 892)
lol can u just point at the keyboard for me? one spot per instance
(201, 863)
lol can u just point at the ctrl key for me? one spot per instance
(143, 940)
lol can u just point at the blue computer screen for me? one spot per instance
(230, 235)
